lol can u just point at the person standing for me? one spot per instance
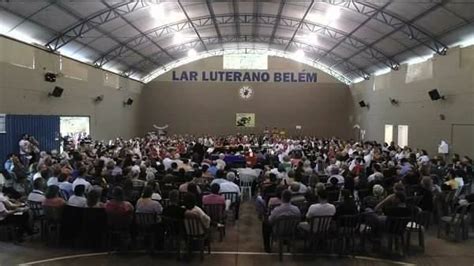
(25, 150)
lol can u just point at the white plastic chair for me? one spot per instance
(246, 182)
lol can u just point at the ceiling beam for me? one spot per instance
(28, 18)
(105, 33)
(311, 49)
(54, 31)
(235, 8)
(256, 11)
(278, 19)
(86, 24)
(372, 44)
(138, 30)
(395, 21)
(299, 24)
(163, 31)
(213, 17)
(440, 36)
(192, 24)
(391, 63)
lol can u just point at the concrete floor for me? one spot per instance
(241, 246)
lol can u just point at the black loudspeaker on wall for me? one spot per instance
(363, 104)
(434, 95)
(57, 92)
(129, 101)
(99, 98)
(50, 77)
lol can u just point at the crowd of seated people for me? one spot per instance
(367, 180)
(175, 175)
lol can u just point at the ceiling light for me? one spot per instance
(333, 13)
(382, 71)
(157, 12)
(178, 37)
(443, 51)
(299, 54)
(418, 59)
(192, 53)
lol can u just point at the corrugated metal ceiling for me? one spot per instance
(139, 36)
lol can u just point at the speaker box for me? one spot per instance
(434, 95)
(99, 98)
(129, 101)
(362, 104)
(50, 77)
(57, 92)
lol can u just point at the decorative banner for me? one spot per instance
(245, 119)
(238, 76)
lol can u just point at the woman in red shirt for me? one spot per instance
(117, 205)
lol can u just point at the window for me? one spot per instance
(111, 80)
(402, 135)
(388, 136)
(73, 69)
(17, 54)
(245, 61)
(74, 125)
(419, 71)
(3, 123)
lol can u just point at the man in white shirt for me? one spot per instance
(42, 172)
(220, 178)
(52, 181)
(323, 208)
(377, 175)
(81, 181)
(37, 195)
(167, 162)
(229, 185)
(367, 158)
(423, 159)
(78, 199)
(25, 150)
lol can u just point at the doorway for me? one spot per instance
(73, 129)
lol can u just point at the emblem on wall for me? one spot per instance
(246, 92)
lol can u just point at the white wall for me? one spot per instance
(24, 91)
(453, 76)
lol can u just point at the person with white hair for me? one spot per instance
(136, 181)
(220, 162)
(228, 185)
(378, 194)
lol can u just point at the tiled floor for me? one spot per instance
(241, 246)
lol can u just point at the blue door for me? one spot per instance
(45, 129)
